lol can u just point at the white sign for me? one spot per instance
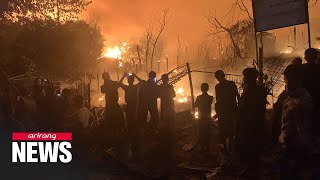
(273, 14)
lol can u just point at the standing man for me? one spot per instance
(166, 127)
(203, 103)
(131, 98)
(167, 95)
(226, 109)
(114, 120)
(151, 94)
(252, 111)
(295, 136)
(311, 72)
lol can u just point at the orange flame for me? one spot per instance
(115, 52)
(182, 97)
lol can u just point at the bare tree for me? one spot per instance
(162, 23)
(236, 31)
(178, 52)
(148, 41)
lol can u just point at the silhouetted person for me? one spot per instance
(79, 123)
(114, 120)
(252, 110)
(133, 126)
(295, 136)
(203, 103)
(7, 126)
(297, 61)
(318, 58)
(82, 116)
(150, 99)
(167, 95)
(277, 115)
(113, 113)
(277, 108)
(310, 81)
(25, 109)
(167, 130)
(37, 90)
(226, 108)
(48, 111)
(64, 107)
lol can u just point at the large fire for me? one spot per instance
(115, 52)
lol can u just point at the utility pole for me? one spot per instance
(167, 61)
(219, 53)
(178, 54)
(178, 64)
(260, 64)
(294, 37)
(118, 63)
(98, 81)
(191, 89)
(58, 11)
(308, 23)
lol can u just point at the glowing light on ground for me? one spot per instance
(285, 52)
(196, 115)
(181, 95)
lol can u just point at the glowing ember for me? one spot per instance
(196, 115)
(180, 91)
(120, 64)
(101, 98)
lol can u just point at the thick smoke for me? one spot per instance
(123, 19)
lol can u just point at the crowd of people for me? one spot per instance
(241, 118)
(295, 117)
(141, 101)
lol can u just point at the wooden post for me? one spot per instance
(191, 89)
(260, 65)
(98, 81)
(258, 53)
(294, 37)
(257, 48)
(308, 22)
(178, 61)
(89, 94)
(167, 63)
(118, 76)
(118, 63)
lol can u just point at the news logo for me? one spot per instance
(33, 147)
